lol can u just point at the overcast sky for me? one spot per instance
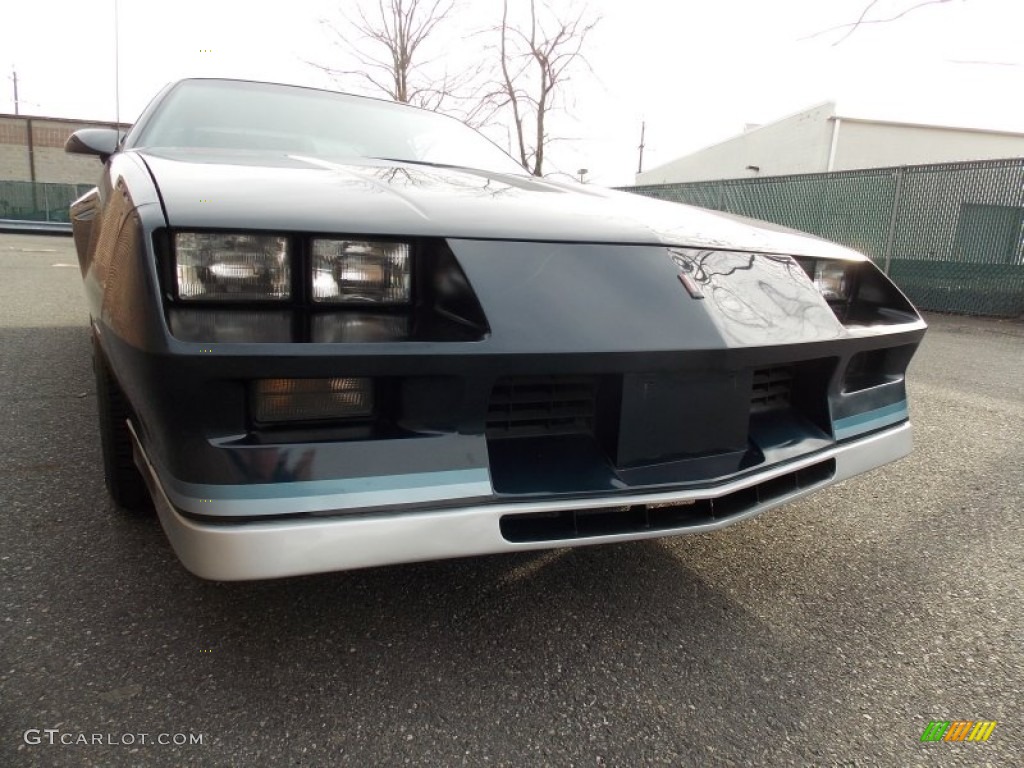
(697, 72)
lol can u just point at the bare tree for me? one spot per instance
(387, 42)
(536, 58)
(522, 76)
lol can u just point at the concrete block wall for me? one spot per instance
(51, 163)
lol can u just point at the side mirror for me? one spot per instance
(101, 142)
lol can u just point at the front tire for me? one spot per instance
(123, 479)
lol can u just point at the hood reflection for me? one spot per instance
(757, 298)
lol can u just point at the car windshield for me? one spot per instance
(226, 114)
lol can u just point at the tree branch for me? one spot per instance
(862, 21)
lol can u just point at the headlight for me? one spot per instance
(361, 272)
(232, 267)
(832, 278)
(230, 325)
(352, 326)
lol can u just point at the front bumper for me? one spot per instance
(235, 551)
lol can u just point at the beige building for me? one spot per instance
(32, 149)
(818, 140)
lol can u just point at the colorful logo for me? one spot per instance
(958, 730)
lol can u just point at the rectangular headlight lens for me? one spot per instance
(230, 326)
(289, 400)
(361, 272)
(353, 326)
(832, 278)
(232, 267)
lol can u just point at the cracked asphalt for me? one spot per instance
(828, 632)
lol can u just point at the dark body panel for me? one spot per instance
(553, 309)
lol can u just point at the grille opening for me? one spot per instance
(875, 367)
(737, 502)
(793, 391)
(531, 406)
(816, 473)
(777, 487)
(640, 518)
(772, 389)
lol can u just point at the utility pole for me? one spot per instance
(117, 70)
(14, 73)
(643, 129)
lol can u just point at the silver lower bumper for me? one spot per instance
(261, 550)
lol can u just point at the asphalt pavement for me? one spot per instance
(827, 632)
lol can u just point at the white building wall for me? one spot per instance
(796, 144)
(868, 144)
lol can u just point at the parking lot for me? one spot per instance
(828, 632)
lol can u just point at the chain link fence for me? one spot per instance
(37, 201)
(950, 235)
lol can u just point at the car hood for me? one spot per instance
(246, 190)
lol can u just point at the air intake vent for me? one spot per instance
(771, 391)
(533, 406)
(642, 518)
